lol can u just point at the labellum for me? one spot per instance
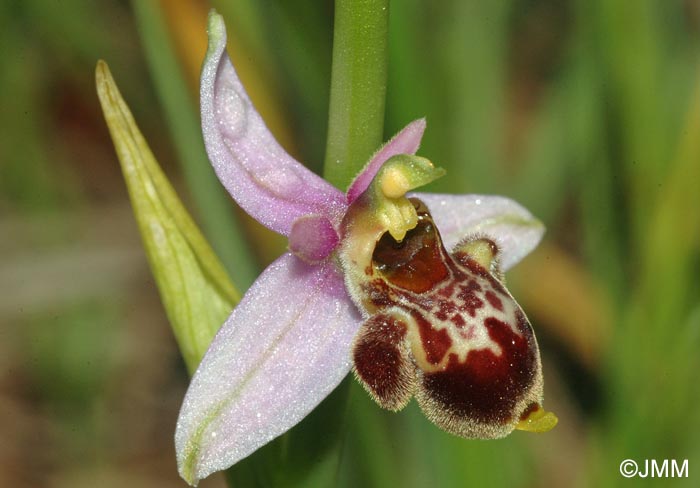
(439, 326)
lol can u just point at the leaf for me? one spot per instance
(195, 289)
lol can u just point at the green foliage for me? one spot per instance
(586, 112)
(196, 292)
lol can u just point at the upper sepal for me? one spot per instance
(265, 181)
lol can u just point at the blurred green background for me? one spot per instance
(585, 111)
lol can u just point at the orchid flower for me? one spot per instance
(367, 284)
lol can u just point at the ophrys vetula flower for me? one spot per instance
(368, 280)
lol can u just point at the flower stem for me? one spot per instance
(358, 87)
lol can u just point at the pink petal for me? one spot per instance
(407, 141)
(264, 180)
(507, 222)
(312, 238)
(283, 350)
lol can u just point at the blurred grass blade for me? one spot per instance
(195, 290)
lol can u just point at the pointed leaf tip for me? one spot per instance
(193, 285)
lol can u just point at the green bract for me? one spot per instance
(194, 288)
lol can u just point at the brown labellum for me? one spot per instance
(445, 330)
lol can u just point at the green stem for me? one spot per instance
(358, 87)
(309, 454)
(211, 201)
